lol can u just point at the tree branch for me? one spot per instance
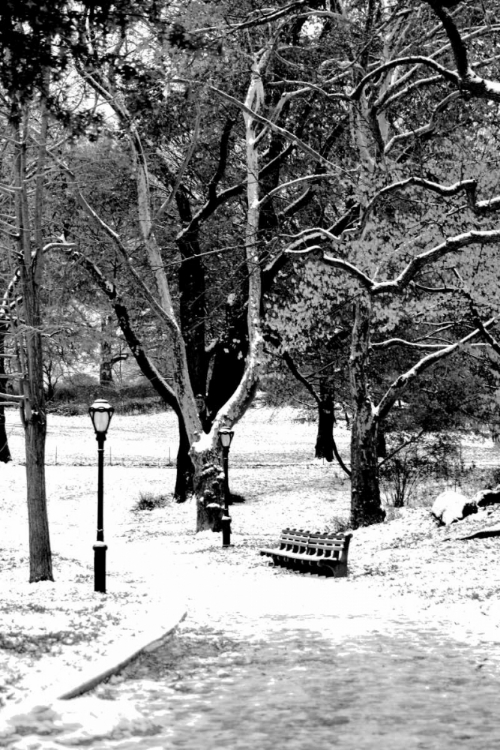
(146, 365)
(397, 388)
(412, 440)
(452, 244)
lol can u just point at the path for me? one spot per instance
(273, 659)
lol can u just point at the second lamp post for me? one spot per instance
(100, 414)
(225, 438)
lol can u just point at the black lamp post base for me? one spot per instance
(226, 531)
(100, 567)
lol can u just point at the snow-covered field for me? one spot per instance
(271, 465)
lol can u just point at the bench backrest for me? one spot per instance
(293, 541)
(332, 548)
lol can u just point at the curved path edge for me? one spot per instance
(81, 681)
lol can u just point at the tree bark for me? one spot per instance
(107, 360)
(208, 489)
(30, 255)
(365, 490)
(227, 363)
(5, 455)
(326, 421)
(192, 304)
(35, 430)
(184, 479)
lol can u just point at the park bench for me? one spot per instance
(309, 552)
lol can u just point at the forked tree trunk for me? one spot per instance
(208, 473)
(365, 490)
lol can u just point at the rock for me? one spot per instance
(451, 506)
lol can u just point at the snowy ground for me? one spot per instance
(156, 563)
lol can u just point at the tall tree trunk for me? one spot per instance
(192, 304)
(184, 480)
(209, 475)
(326, 420)
(5, 456)
(365, 490)
(31, 268)
(35, 430)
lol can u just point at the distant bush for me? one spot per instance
(74, 396)
(150, 501)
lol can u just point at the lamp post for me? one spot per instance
(100, 414)
(225, 438)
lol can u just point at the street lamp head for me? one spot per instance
(100, 414)
(225, 437)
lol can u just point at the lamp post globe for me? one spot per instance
(100, 413)
(225, 437)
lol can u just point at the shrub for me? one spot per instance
(150, 501)
(339, 525)
(434, 457)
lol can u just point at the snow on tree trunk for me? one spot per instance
(208, 489)
(208, 479)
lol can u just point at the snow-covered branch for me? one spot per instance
(402, 342)
(452, 244)
(447, 191)
(468, 79)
